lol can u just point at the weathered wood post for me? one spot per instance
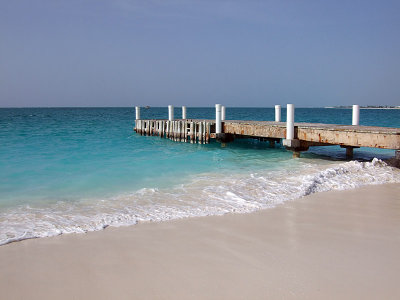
(356, 115)
(194, 132)
(170, 113)
(200, 132)
(208, 129)
(290, 122)
(168, 129)
(277, 113)
(185, 131)
(162, 129)
(184, 112)
(223, 112)
(218, 124)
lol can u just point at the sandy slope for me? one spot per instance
(335, 245)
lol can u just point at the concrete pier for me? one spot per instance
(305, 135)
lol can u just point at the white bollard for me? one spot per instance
(218, 118)
(277, 113)
(356, 115)
(223, 113)
(170, 113)
(290, 122)
(184, 112)
(137, 108)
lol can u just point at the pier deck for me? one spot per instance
(305, 134)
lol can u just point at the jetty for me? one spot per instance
(296, 137)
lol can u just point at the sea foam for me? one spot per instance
(203, 195)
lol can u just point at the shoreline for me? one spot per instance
(336, 244)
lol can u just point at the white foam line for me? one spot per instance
(208, 194)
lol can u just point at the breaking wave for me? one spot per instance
(204, 195)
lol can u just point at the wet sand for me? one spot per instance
(334, 245)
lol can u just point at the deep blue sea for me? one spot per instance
(65, 170)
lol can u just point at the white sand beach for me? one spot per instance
(333, 245)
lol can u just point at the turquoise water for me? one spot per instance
(80, 169)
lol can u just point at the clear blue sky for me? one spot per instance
(198, 53)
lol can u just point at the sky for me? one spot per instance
(198, 53)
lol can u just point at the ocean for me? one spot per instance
(73, 170)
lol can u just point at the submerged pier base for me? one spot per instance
(272, 142)
(349, 151)
(224, 138)
(296, 146)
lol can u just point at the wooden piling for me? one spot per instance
(185, 131)
(179, 131)
(195, 132)
(176, 131)
(204, 132)
(200, 132)
(167, 129)
(172, 136)
(171, 130)
(191, 132)
(208, 132)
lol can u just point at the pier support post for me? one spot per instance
(137, 124)
(349, 152)
(218, 125)
(277, 113)
(271, 143)
(137, 109)
(184, 112)
(170, 113)
(223, 113)
(356, 115)
(290, 122)
(397, 154)
(292, 144)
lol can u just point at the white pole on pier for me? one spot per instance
(277, 113)
(290, 122)
(184, 112)
(218, 118)
(137, 108)
(223, 113)
(356, 115)
(170, 113)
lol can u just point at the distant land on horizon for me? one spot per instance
(368, 107)
(176, 106)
